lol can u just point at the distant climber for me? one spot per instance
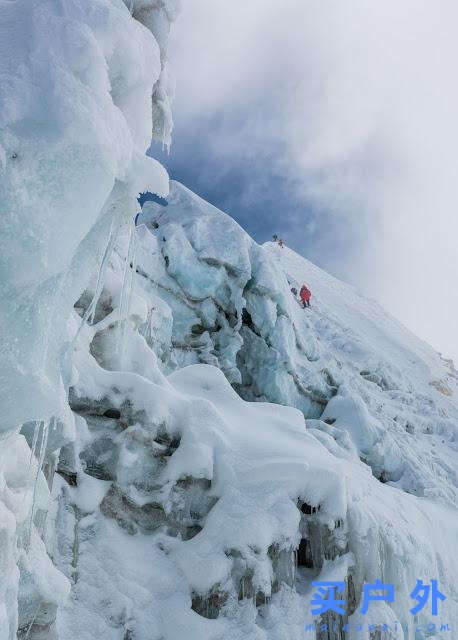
(294, 291)
(280, 243)
(305, 295)
(275, 238)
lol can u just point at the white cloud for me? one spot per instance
(361, 98)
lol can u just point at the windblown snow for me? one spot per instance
(185, 449)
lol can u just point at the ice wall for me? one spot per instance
(76, 118)
(75, 124)
(231, 304)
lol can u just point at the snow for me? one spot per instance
(344, 359)
(184, 448)
(74, 136)
(208, 485)
(76, 82)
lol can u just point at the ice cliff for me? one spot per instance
(184, 448)
(76, 117)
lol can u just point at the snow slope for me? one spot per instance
(184, 509)
(344, 359)
(399, 398)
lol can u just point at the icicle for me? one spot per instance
(126, 293)
(32, 455)
(33, 448)
(294, 567)
(43, 444)
(114, 229)
(34, 443)
(103, 265)
(52, 471)
(133, 270)
(90, 311)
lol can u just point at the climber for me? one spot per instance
(305, 296)
(275, 238)
(294, 291)
(280, 243)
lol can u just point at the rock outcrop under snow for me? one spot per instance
(238, 505)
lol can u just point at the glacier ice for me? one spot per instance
(76, 121)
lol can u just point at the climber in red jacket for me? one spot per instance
(305, 296)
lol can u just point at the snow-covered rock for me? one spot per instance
(344, 360)
(234, 506)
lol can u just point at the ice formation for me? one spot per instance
(184, 448)
(76, 120)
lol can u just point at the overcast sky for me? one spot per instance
(335, 124)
